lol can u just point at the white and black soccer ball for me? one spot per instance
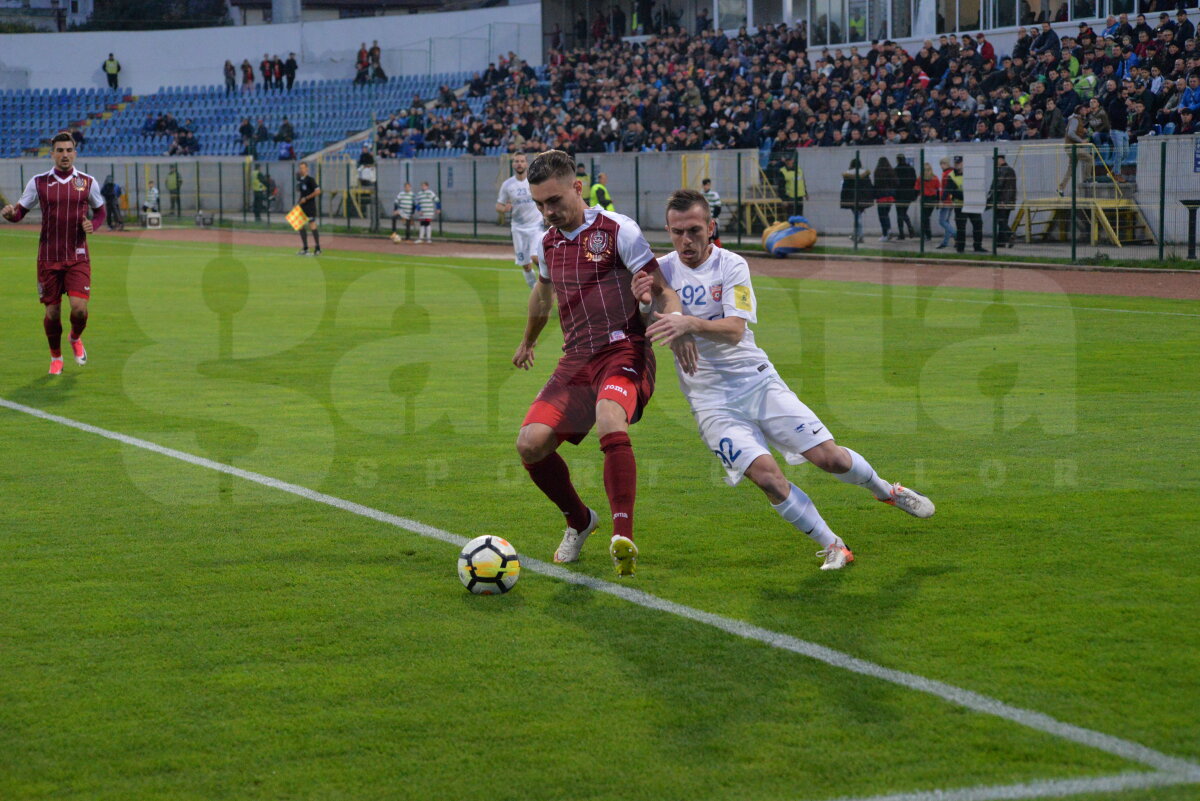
(489, 565)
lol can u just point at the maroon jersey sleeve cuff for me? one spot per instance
(19, 211)
(649, 267)
(98, 217)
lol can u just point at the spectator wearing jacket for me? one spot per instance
(906, 193)
(1046, 42)
(1076, 136)
(1002, 199)
(857, 195)
(931, 190)
(946, 210)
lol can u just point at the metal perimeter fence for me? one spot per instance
(1102, 201)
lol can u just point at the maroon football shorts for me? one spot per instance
(622, 372)
(58, 278)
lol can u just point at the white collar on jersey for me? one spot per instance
(586, 222)
(54, 174)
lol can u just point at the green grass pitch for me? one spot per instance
(169, 632)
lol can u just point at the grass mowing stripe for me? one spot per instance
(810, 290)
(955, 695)
(1054, 788)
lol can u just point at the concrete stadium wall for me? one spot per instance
(412, 44)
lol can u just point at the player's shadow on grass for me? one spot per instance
(46, 390)
(860, 617)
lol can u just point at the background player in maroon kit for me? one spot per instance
(606, 376)
(72, 208)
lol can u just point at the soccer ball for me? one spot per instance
(488, 565)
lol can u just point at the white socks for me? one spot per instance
(530, 278)
(861, 474)
(798, 509)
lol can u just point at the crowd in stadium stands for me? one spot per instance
(276, 73)
(368, 65)
(180, 136)
(768, 90)
(251, 136)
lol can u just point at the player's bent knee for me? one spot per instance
(829, 456)
(535, 442)
(765, 473)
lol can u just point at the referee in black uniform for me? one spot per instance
(307, 192)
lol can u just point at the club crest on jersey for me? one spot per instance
(80, 183)
(597, 245)
(715, 291)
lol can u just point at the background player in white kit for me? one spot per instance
(527, 223)
(740, 403)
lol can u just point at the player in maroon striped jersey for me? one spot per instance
(72, 208)
(606, 376)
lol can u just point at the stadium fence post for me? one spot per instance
(137, 186)
(739, 198)
(1162, 196)
(245, 171)
(995, 198)
(158, 182)
(921, 200)
(441, 217)
(197, 163)
(857, 212)
(1074, 202)
(346, 197)
(637, 189)
(220, 192)
(375, 206)
(474, 199)
(270, 197)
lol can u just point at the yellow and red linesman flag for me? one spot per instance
(297, 218)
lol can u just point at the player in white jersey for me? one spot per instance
(527, 223)
(739, 401)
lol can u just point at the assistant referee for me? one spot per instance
(307, 192)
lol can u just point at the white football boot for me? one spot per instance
(836, 556)
(572, 541)
(911, 501)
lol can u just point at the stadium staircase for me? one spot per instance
(323, 113)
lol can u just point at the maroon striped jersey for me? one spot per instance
(591, 269)
(66, 201)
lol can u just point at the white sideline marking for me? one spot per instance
(1172, 770)
(1051, 788)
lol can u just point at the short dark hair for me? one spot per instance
(685, 199)
(551, 164)
(62, 136)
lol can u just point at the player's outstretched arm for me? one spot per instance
(666, 329)
(680, 340)
(541, 299)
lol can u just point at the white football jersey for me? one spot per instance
(718, 288)
(525, 212)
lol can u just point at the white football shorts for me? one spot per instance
(525, 242)
(771, 414)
